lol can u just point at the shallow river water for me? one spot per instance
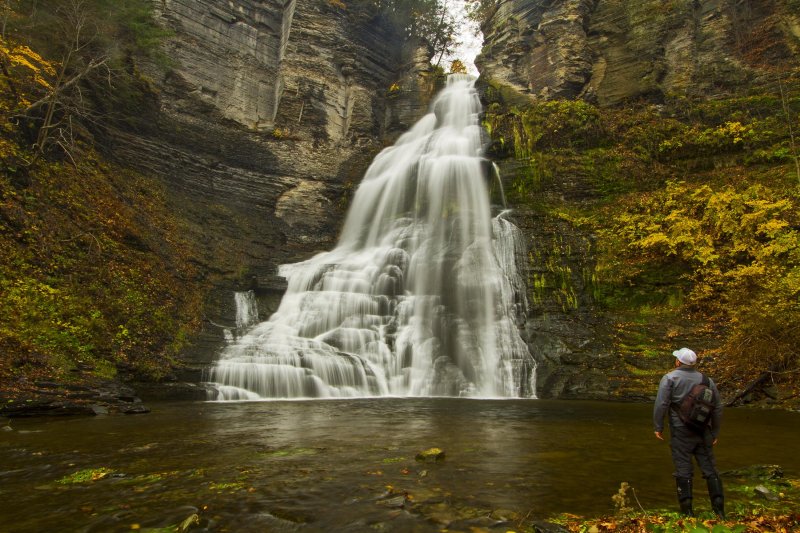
(349, 465)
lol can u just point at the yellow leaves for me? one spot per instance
(19, 55)
(735, 131)
(737, 248)
(747, 272)
(22, 55)
(703, 225)
(654, 240)
(458, 67)
(669, 144)
(25, 77)
(771, 227)
(728, 135)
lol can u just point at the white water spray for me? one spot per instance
(421, 297)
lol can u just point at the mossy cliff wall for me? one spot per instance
(602, 113)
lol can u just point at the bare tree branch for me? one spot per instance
(93, 65)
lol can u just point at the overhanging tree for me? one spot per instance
(428, 20)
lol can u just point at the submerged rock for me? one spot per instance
(136, 409)
(766, 493)
(45, 407)
(190, 522)
(763, 472)
(476, 524)
(431, 455)
(540, 526)
(397, 502)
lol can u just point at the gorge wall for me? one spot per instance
(265, 118)
(267, 114)
(610, 51)
(251, 127)
(650, 57)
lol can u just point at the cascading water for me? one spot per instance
(246, 309)
(421, 297)
(246, 314)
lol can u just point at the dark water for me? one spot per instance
(326, 465)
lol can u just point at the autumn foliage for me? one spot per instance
(738, 248)
(692, 222)
(94, 275)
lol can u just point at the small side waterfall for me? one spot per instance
(421, 297)
(246, 309)
(246, 314)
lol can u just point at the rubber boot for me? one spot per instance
(717, 496)
(684, 486)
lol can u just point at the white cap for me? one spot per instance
(685, 356)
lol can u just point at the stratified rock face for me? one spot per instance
(268, 114)
(310, 68)
(538, 46)
(612, 50)
(231, 55)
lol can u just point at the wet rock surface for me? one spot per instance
(570, 344)
(90, 397)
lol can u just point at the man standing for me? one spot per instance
(685, 440)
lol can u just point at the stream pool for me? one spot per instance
(349, 465)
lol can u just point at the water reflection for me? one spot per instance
(325, 465)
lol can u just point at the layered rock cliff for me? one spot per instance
(609, 51)
(267, 114)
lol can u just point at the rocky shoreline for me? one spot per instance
(90, 397)
(51, 398)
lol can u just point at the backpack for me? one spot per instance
(696, 408)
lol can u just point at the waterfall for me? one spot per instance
(246, 314)
(246, 309)
(422, 296)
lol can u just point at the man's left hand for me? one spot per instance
(659, 436)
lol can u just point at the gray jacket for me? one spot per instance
(673, 387)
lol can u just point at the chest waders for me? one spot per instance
(694, 439)
(684, 488)
(713, 482)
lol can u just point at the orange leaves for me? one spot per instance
(458, 67)
(774, 524)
